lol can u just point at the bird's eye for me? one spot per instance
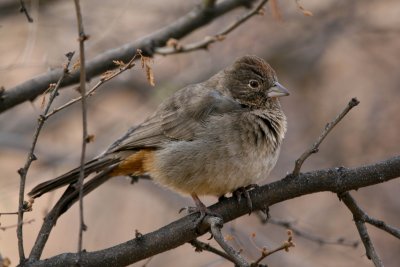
(254, 84)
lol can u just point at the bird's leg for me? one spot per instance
(200, 207)
(244, 191)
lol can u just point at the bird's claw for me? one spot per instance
(244, 191)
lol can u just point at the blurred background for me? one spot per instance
(346, 49)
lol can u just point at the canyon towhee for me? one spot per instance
(209, 138)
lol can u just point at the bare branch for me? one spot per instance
(184, 230)
(107, 76)
(82, 38)
(195, 19)
(360, 218)
(215, 224)
(175, 47)
(4, 228)
(25, 11)
(265, 252)
(22, 205)
(382, 225)
(314, 149)
(314, 238)
(200, 246)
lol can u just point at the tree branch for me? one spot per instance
(314, 149)
(215, 224)
(314, 238)
(82, 88)
(195, 19)
(23, 205)
(23, 9)
(360, 218)
(204, 44)
(200, 246)
(184, 230)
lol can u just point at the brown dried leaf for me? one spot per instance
(106, 75)
(149, 71)
(119, 63)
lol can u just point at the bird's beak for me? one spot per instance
(277, 91)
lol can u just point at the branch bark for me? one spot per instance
(177, 233)
(195, 19)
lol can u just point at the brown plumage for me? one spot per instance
(206, 139)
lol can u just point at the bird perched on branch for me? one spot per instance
(209, 138)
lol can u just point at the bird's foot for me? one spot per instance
(202, 209)
(244, 192)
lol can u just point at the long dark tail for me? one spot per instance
(72, 176)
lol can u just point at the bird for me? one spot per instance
(209, 138)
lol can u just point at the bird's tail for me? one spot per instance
(72, 176)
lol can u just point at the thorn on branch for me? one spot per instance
(138, 235)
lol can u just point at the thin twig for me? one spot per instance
(105, 78)
(314, 238)
(9, 213)
(265, 252)
(22, 205)
(174, 47)
(359, 218)
(216, 224)
(314, 149)
(23, 9)
(3, 228)
(200, 246)
(82, 38)
(382, 225)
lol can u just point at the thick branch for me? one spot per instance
(184, 230)
(195, 19)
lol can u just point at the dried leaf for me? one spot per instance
(149, 71)
(107, 75)
(119, 63)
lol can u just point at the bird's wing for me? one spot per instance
(179, 118)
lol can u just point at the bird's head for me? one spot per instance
(252, 82)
